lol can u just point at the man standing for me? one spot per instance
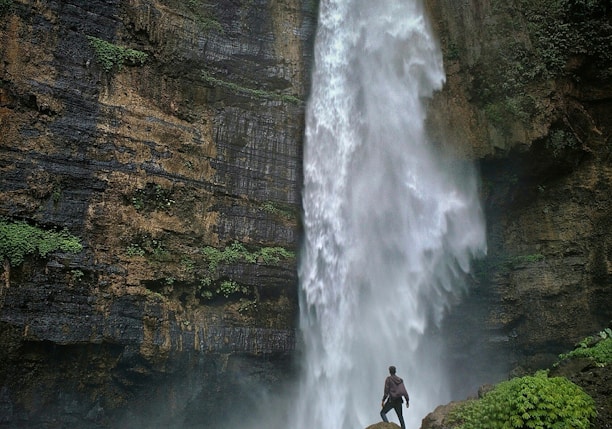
(394, 391)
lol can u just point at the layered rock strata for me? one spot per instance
(167, 136)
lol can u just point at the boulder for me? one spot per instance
(383, 425)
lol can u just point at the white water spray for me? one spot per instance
(389, 228)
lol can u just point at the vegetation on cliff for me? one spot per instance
(537, 401)
(555, 32)
(212, 284)
(111, 56)
(18, 239)
(596, 348)
(256, 93)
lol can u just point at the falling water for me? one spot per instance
(389, 227)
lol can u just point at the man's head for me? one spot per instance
(392, 370)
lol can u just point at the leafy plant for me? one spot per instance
(56, 195)
(597, 348)
(188, 265)
(157, 249)
(536, 401)
(229, 287)
(111, 56)
(238, 252)
(134, 249)
(76, 275)
(235, 252)
(273, 255)
(247, 306)
(19, 239)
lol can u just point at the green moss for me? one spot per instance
(204, 18)
(278, 210)
(535, 401)
(256, 93)
(19, 239)
(525, 259)
(111, 56)
(238, 252)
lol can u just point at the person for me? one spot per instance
(392, 397)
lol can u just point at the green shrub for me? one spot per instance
(134, 249)
(229, 287)
(18, 239)
(535, 401)
(597, 348)
(111, 56)
(235, 252)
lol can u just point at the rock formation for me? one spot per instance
(166, 135)
(529, 94)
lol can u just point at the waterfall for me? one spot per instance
(390, 227)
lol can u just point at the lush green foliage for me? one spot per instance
(597, 348)
(236, 252)
(111, 56)
(18, 239)
(256, 93)
(535, 401)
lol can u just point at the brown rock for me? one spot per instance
(383, 425)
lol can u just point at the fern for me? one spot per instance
(536, 401)
(19, 239)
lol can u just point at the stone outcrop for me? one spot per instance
(383, 425)
(155, 131)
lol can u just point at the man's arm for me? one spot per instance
(386, 392)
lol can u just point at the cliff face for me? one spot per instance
(529, 94)
(166, 136)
